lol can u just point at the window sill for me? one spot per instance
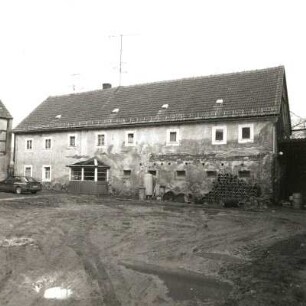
(172, 144)
(246, 141)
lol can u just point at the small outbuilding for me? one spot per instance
(89, 177)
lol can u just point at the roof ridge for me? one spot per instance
(281, 67)
(208, 76)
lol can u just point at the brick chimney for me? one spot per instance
(106, 85)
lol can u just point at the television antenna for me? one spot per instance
(120, 36)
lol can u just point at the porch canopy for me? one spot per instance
(89, 170)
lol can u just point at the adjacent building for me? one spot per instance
(187, 133)
(5, 140)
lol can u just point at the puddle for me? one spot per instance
(16, 241)
(57, 293)
(183, 285)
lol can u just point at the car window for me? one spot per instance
(30, 179)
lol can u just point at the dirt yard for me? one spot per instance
(58, 249)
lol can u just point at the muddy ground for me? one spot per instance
(58, 249)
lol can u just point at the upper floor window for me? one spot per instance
(29, 144)
(173, 137)
(72, 140)
(130, 138)
(101, 139)
(48, 143)
(219, 135)
(245, 133)
(2, 141)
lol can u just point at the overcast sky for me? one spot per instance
(49, 47)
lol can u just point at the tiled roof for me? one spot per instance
(244, 94)
(4, 113)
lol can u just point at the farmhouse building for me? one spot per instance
(5, 140)
(189, 134)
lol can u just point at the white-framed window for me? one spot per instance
(46, 173)
(245, 133)
(28, 170)
(173, 137)
(219, 135)
(72, 140)
(47, 143)
(130, 138)
(101, 139)
(29, 144)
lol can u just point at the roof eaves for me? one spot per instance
(159, 119)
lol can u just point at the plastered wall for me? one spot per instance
(195, 154)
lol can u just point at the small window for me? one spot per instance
(27, 170)
(46, 175)
(102, 174)
(2, 135)
(127, 173)
(89, 173)
(180, 173)
(47, 143)
(3, 140)
(72, 140)
(101, 140)
(245, 133)
(130, 138)
(244, 173)
(219, 135)
(76, 174)
(219, 101)
(173, 137)
(153, 172)
(211, 173)
(29, 144)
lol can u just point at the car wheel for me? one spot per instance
(33, 192)
(18, 190)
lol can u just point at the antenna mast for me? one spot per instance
(120, 60)
(120, 54)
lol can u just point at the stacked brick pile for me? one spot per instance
(229, 188)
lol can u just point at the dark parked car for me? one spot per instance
(20, 184)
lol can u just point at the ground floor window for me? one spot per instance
(89, 170)
(76, 174)
(102, 175)
(28, 171)
(88, 174)
(46, 174)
